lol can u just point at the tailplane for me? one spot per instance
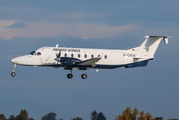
(150, 45)
(146, 51)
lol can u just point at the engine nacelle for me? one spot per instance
(68, 61)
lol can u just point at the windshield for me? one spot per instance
(32, 53)
(35, 53)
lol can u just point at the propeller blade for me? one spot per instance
(58, 57)
(59, 54)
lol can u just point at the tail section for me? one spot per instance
(146, 51)
(150, 45)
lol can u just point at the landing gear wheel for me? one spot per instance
(13, 74)
(69, 76)
(84, 76)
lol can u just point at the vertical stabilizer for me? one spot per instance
(150, 45)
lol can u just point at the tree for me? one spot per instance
(77, 118)
(160, 118)
(127, 114)
(148, 116)
(12, 117)
(141, 117)
(94, 115)
(2, 117)
(135, 113)
(31, 119)
(49, 116)
(119, 117)
(101, 116)
(22, 116)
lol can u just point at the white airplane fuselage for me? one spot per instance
(109, 58)
(84, 59)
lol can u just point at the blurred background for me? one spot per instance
(28, 25)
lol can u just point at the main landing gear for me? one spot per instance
(70, 75)
(84, 76)
(13, 74)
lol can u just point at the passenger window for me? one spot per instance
(92, 56)
(72, 55)
(85, 55)
(105, 56)
(78, 55)
(65, 55)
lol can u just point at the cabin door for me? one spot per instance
(45, 55)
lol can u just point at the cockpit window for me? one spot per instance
(38, 53)
(32, 53)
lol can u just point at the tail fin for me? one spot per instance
(150, 45)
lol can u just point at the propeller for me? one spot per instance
(58, 57)
(59, 54)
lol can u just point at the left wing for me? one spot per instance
(90, 62)
(73, 62)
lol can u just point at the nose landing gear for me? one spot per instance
(13, 74)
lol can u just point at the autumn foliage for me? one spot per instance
(129, 115)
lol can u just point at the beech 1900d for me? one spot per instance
(84, 59)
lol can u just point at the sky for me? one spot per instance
(28, 25)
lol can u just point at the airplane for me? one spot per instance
(84, 59)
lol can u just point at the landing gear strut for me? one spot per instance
(84, 76)
(69, 76)
(13, 74)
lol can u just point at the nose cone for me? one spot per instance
(14, 60)
(19, 60)
(27, 60)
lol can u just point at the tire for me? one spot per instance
(13, 74)
(83, 76)
(69, 76)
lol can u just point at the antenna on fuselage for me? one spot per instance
(56, 46)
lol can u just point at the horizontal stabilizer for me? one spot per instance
(166, 40)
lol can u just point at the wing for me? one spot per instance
(90, 62)
(74, 62)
